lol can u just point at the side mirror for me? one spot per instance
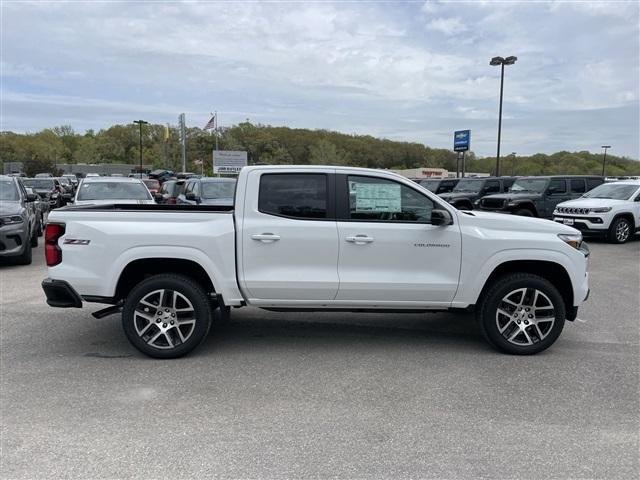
(191, 196)
(32, 197)
(441, 217)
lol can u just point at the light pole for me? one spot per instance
(140, 123)
(502, 62)
(604, 157)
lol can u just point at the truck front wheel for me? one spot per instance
(522, 314)
(166, 316)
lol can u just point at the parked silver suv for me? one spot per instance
(18, 220)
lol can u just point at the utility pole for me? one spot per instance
(140, 123)
(604, 157)
(183, 141)
(502, 62)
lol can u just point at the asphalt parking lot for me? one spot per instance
(322, 395)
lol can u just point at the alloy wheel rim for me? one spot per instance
(164, 319)
(525, 316)
(622, 231)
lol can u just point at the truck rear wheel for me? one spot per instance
(522, 314)
(166, 316)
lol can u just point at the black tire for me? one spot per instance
(524, 212)
(186, 287)
(620, 230)
(34, 237)
(40, 229)
(25, 258)
(487, 315)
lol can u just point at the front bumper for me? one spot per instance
(60, 294)
(13, 239)
(593, 226)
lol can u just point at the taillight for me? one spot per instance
(171, 200)
(52, 252)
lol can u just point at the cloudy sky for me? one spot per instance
(412, 71)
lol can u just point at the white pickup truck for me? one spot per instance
(315, 238)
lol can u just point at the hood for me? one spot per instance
(502, 222)
(217, 201)
(113, 202)
(514, 196)
(453, 195)
(592, 203)
(10, 208)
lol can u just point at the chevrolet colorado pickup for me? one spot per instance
(315, 238)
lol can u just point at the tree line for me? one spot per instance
(44, 150)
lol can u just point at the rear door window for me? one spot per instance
(578, 185)
(294, 195)
(593, 182)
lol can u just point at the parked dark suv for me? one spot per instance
(439, 185)
(48, 188)
(538, 196)
(18, 220)
(468, 190)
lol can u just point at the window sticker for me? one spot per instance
(377, 197)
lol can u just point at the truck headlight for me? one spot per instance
(11, 220)
(601, 210)
(573, 239)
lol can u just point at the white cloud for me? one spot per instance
(448, 26)
(365, 67)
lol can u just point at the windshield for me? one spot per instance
(8, 191)
(529, 185)
(113, 191)
(64, 181)
(431, 185)
(151, 183)
(613, 191)
(469, 185)
(218, 189)
(38, 184)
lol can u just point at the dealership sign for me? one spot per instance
(228, 161)
(462, 140)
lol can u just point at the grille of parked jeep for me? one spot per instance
(492, 202)
(579, 211)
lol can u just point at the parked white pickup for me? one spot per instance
(316, 238)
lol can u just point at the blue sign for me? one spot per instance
(461, 140)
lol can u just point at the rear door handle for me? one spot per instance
(265, 237)
(360, 239)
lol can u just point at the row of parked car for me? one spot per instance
(610, 210)
(26, 202)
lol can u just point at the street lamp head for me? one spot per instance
(510, 60)
(496, 61)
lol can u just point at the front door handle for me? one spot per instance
(360, 239)
(266, 237)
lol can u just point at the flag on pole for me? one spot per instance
(211, 124)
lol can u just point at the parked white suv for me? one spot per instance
(611, 210)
